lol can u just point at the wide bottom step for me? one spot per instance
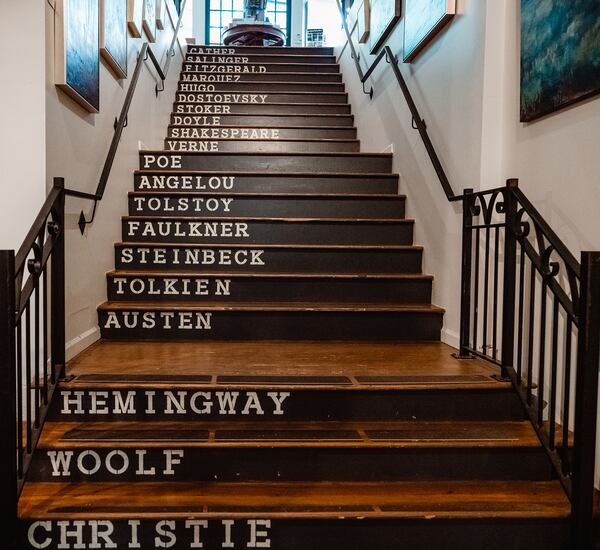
(297, 516)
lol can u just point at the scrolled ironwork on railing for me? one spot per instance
(532, 309)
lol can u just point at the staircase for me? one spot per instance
(270, 373)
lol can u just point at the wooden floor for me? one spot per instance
(478, 499)
(358, 364)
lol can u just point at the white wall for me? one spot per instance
(22, 112)
(447, 82)
(76, 146)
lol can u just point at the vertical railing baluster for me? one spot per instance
(465, 277)
(521, 316)
(45, 333)
(542, 354)
(8, 391)
(20, 398)
(509, 284)
(486, 291)
(553, 374)
(530, 344)
(586, 403)
(566, 460)
(495, 293)
(57, 299)
(28, 416)
(36, 347)
(476, 289)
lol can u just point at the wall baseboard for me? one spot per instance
(79, 343)
(451, 338)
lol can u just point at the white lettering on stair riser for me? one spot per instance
(173, 403)
(197, 88)
(202, 109)
(226, 230)
(171, 286)
(237, 69)
(186, 183)
(198, 50)
(163, 320)
(199, 58)
(193, 77)
(258, 99)
(193, 146)
(149, 534)
(89, 462)
(224, 133)
(191, 256)
(161, 161)
(181, 204)
(196, 120)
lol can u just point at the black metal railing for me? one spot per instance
(120, 123)
(32, 343)
(532, 309)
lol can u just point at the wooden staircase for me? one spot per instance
(270, 373)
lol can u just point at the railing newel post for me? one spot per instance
(510, 278)
(586, 404)
(57, 282)
(8, 398)
(465, 276)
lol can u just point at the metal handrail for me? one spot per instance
(417, 121)
(145, 53)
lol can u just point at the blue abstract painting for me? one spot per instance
(114, 35)
(560, 54)
(422, 21)
(77, 52)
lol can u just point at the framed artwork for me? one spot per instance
(423, 20)
(113, 35)
(149, 20)
(560, 55)
(385, 14)
(359, 14)
(160, 14)
(77, 55)
(135, 11)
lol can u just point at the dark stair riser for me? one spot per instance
(149, 324)
(221, 132)
(342, 403)
(306, 533)
(213, 78)
(160, 288)
(262, 109)
(359, 163)
(267, 463)
(263, 121)
(239, 58)
(265, 146)
(231, 98)
(195, 204)
(259, 68)
(219, 258)
(274, 50)
(266, 232)
(264, 183)
(258, 87)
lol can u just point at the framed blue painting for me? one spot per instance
(560, 54)
(423, 19)
(77, 55)
(113, 35)
(385, 14)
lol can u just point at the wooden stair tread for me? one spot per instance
(340, 196)
(270, 154)
(417, 361)
(425, 500)
(407, 221)
(412, 247)
(257, 127)
(268, 140)
(270, 306)
(270, 274)
(360, 435)
(187, 172)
